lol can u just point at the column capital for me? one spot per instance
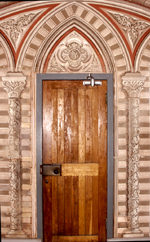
(133, 83)
(14, 83)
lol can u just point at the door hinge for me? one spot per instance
(90, 81)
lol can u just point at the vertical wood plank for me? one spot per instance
(74, 126)
(94, 126)
(95, 148)
(67, 158)
(61, 206)
(68, 205)
(81, 205)
(95, 205)
(88, 158)
(88, 205)
(60, 126)
(60, 196)
(81, 128)
(75, 206)
(54, 206)
(81, 125)
(88, 134)
(67, 126)
(47, 208)
(47, 123)
(74, 159)
(54, 94)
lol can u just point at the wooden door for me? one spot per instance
(75, 136)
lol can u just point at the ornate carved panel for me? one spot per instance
(14, 27)
(133, 27)
(74, 54)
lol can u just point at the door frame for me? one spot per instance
(110, 140)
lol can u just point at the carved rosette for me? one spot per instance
(74, 54)
(14, 84)
(133, 84)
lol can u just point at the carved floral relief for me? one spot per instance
(15, 27)
(133, 27)
(74, 54)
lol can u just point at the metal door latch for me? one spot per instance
(50, 170)
(91, 81)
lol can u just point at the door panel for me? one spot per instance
(75, 136)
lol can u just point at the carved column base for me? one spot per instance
(133, 234)
(16, 234)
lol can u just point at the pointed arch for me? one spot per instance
(43, 66)
(70, 15)
(84, 36)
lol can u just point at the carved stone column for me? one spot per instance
(133, 84)
(14, 84)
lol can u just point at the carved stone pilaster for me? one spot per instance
(133, 84)
(14, 84)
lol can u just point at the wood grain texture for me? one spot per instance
(67, 125)
(60, 126)
(76, 138)
(87, 169)
(82, 205)
(47, 123)
(47, 209)
(81, 125)
(54, 96)
(75, 238)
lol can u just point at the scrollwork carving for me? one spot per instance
(14, 27)
(132, 26)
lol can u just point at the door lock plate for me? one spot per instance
(50, 170)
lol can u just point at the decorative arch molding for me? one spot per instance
(55, 10)
(6, 56)
(102, 28)
(107, 64)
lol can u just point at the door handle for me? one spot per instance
(50, 170)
